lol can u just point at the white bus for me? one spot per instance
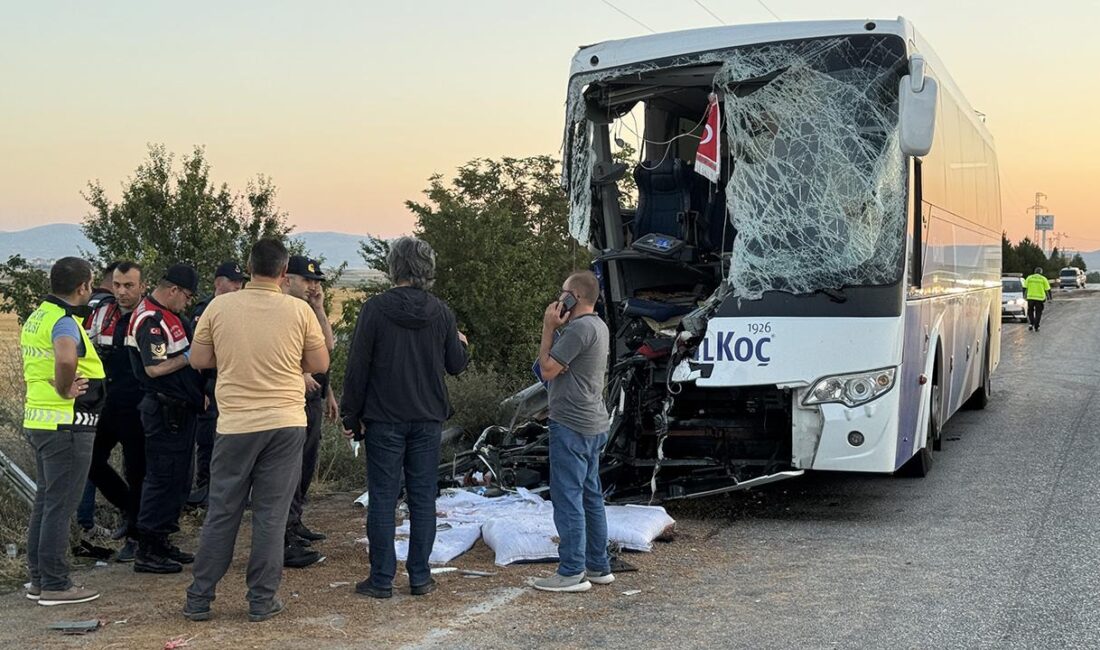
(832, 299)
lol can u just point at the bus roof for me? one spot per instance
(613, 54)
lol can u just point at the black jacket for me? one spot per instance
(404, 342)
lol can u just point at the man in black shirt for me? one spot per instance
(304, 278)
(159, 342)
(119, 422)
(228, 278)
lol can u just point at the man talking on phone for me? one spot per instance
(574, 365)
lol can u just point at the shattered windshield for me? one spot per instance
(817, 189)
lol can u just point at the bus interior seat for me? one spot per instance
(710, 202)
(664, 197)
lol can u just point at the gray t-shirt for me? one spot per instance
(576, 395)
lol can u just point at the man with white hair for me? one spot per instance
(395, 399)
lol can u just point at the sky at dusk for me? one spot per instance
(351, 106)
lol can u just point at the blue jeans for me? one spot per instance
(393, 449)
(85, 512)
(577, 494)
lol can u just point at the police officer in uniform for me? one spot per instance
(64, 379)
(303, 281)
(120, 421)
(159, 340)
(227, 279)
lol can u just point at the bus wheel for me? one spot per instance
(980, 399)
(921, 463)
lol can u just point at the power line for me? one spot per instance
(762, 4)
(707, 9)
(629, 16)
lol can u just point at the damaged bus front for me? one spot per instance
(751, 196)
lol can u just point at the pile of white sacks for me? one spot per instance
(519, 527)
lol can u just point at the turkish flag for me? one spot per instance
(708, 155)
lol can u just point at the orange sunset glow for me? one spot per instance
(351, 106)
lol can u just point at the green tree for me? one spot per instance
(166, 216)
(1055, 263)
(22, 287)
(1010, 262)
(1030, 256)
(1078, 262)
(500, 232)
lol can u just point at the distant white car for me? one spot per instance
(1013, 303)
(1071, 278)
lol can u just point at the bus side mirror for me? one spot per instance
(917, 95)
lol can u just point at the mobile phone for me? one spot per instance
(568, 303)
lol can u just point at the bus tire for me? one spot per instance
(921, 463)
(980, 399)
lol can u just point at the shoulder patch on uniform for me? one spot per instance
(155, 331)
(159, 350)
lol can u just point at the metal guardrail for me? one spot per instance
(22, 484)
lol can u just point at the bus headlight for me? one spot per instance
(851, 390)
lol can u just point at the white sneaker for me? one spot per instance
(558, 582)
(600, 577)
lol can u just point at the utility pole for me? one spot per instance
(1037, 209)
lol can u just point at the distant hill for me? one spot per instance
(56, 240)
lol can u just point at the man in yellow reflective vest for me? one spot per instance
(1037, 292)
(65, 391)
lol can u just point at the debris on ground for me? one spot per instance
(178, 642)
(443, 569)
(77, 627)
(632, 592)
(519, 527)
(334, 585)
(470, 573)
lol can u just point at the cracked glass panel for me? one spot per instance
(817, 191)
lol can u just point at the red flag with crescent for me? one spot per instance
(708, 155)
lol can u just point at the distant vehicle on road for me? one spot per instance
(1013, 303)
(1071, 278)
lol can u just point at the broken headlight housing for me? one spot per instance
(851, 390)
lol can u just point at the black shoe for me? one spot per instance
(198, 496)
(296, 557)
(127, 552)
(120, 532)
(424, 589)
(367, 589)
(301, 531)
(293, 540)
(261, 616)
(176, 554)
(147, 560)
(196, 611)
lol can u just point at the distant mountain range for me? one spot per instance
(56, 240)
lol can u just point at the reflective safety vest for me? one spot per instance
(44, 408)
(1036, 287)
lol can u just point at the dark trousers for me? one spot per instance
(206, 427)
(393, 449)
(120, 426)
(169, 439)
(1035, 312)
(62, 459)
(85, 512)
(265, 464)
(315, 413)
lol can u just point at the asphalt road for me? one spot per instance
(999, 547)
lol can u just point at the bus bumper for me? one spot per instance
(825, 437)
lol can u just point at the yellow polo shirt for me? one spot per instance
(259, 335)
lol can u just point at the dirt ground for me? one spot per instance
(323, 610)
